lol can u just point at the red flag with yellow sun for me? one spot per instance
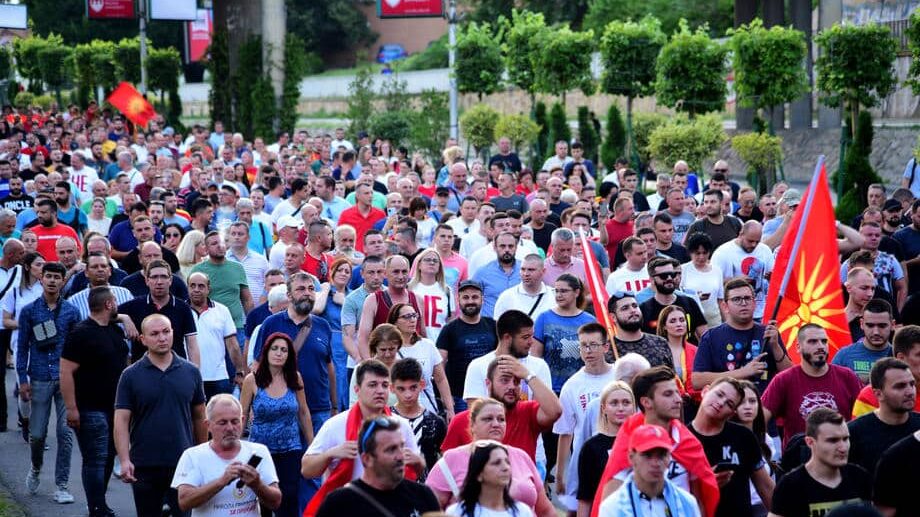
(808, 264)
(130, 102)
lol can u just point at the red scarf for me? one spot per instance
(342, 472)
(688, 452)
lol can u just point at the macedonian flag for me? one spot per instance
(807, 263)
(130, 102)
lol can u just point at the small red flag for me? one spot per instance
(599, 294)
(808, 265)
(130, 102)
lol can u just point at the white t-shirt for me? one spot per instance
(480, 511)
(282, 209)
(276, 255)
(436, 304)
(707, 287)
(474, 385)
(332, 434)
(625, 279)
(426, 353)
(734, 261)
(83, 179)
(472, 242)
(214, 325)
(517, 298)
(200, 465)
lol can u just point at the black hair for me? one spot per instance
(406, 369)
(697, 240)
(472, 488)
(643, 384)
(263, 374)
(54, 267)
(881, 367)
(511, 322)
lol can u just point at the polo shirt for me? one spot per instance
(160, 402)
(494, 281)
(255, 266)
(531, 304)
(360, 223)
(137, 284)
(214, 326)
(177, 311)
(227, 279)
(553, 270)
(313, 358)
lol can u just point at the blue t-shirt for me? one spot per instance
(313, 357)
(909, 238)
(724, 348)
(859, 358)
(559, 335)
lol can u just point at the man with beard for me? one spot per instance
(373, 268)
(215, 476)
(465, 338)
(665, 275)
(877, 327)
(17, 200)
(144, 231)
(739, 347)
(796, 392)
(747, 256)
(733, 447)
(68, 213)
(371, 449)
(718, 226)
(376, 308)
(500, 275)
(526, 419)
(629, 336)
(894, 419)
(93, 358)
(48, 230)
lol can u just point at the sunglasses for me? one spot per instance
(619, 295)
(668, 275)
(382, 422)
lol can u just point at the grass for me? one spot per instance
(9, 508)
(339, 72)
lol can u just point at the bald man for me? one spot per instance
(747, 256)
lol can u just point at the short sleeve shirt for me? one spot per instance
(178, 312)
(227, 280)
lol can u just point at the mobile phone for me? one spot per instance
(253, 462)
(602, 210)
(724, 466)
(391, 212)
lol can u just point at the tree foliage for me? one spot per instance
(628, 52)
(163, 68)
(587, 135)
(360, 101)
(858, 173)
(694, 141)
(520, 129)
(329, 26)
(478, 126)
(103, 63)
(295, 68)
(28, 63)
(541, 144)
(558, 127)
(431, 124)
(128, 60)
(569, 12)
(262, 108)
(718, 14)
(616, 137)
(521, 48)
(249, 71)
(564, 62)
(479, 64)
(855, 67)
(913, 44)
(643, 126)
(760, 152)
(52, 60)
(220, 95)
(691, 72)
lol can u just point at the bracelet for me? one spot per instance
(529, 377)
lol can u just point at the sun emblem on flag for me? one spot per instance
(815, 295)
(136, 106)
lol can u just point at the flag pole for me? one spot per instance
(809, 200)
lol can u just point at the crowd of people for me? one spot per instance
(318, 327)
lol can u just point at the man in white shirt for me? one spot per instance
(560, 159)
(82, 176)
(747, 256)
(532, 296)
(632, 276)
(254, 264)
(662, 185)
(501, 222)
(339, 141)
(216, 334)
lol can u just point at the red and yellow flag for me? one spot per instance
(808, 265)
(130, 102)
(598, 291)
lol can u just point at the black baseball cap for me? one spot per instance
(469, 284)
(892, 205)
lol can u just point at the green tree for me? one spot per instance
(220, 96)
(718, 14)
(431, 124)
(521, 49)
(262, 108)
(558, 127)
(568, 12)
(643, 126)
(913, 44)
(295, 68)
(103, 64)
(541, 144)
(249, 71)
(760, 152)
(587, 134)
(629, 51)
(478, 126)
(691, 72)
(858, 172)
(564, 62)
(520, 129)
(769, 66)
(51, 59)
(128, 60)
(694, 141)
(26, 51)
(329, 27)
(84, 78)
(855, 67)
(394, 126)
(479, 64)
(163, 68)
(616, 137)
(360, 101)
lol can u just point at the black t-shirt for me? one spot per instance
(102, 354)
(543, 236)
(408, 499)
(17, 204)
(799, 495)
(131, 263)
(430, 430)
(737, 445)
(591, 463)
(651, 309)
(652, 347)
(756, 215)
(897, 477)
(463, 343)
(677, 252)
(719, 233)
(178, 312)
(870, 437)
(509, 161)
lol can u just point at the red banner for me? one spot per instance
(109, 9)
(199, 35)
(410, 8)
(129, 101)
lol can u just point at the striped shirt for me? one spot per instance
(255, 266)
(80, 300)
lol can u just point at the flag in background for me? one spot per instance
(598, 290)
(130, 102)
(808, 264)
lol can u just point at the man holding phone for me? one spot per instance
(226, 475)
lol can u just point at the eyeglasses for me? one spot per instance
(381, 421)
(588, 347)
(668, 275)
(741, 300)
(171, 235)
(409, 316)
(432, 260)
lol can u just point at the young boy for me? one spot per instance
(407, 384)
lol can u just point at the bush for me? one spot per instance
(616, 137)
(539, 116)
(587, 135)
(262, 107)
(693, 141)
(478, 126)
(431, 124)
(643, 126)
(24, 99)
(760, 152)
(45, 101)
(360, 101)
(434, 56)
(518, 128)
(391, 125)
(558, 127)
(858, 173)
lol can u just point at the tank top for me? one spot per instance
(385, 303)
(274, 422)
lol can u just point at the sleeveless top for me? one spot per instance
(384, 303)
(274, 422)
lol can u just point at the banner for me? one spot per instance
(129, 101)
(199, 35)
(410, 8)
(109, 9)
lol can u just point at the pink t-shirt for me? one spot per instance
(525, 480)
(792, 396)
(455, 270)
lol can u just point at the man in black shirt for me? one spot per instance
(871, 434)
(897, 478)
(629, 336)
(826, 481)
(382, 488)
(506, 158)
(731, 449)
(407, 384)
(94, 355)
(17, 200)
(665, 275)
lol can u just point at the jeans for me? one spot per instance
(152, 489)
(4, 346)
(44, 394)
(212, 388)
(287, 465)
(340, 360)
(98, 450)
(309, 487)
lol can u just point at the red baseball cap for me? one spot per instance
(647, 437)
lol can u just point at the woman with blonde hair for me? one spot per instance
(191, 251)
(430, 286)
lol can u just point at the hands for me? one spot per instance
(508, 364)
(756, 367)
(771, 334)
(130, 330)
(248, 474)
(73, 418)
(722, 478)
(449, 414)
(25, 391)
(345, 451)
(413, 460)
(127, 471)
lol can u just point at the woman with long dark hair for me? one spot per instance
(280, 417)
(486, 489)
(328, 305)
(750, 415)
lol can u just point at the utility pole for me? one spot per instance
(452, 62)
(142, 15)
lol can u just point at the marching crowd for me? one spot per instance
(314, 326)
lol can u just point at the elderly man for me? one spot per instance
(561, 260)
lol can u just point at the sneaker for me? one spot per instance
(32, 481)
(62, 496)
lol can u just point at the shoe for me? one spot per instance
(62, 496)
(32, 481)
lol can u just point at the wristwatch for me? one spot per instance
(530, 376)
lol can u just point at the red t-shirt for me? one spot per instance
(47, 237)
(361, 224)
(521, 431)
(318, 267)
(617, 232)
(792, 396)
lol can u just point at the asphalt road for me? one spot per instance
(15, 463)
